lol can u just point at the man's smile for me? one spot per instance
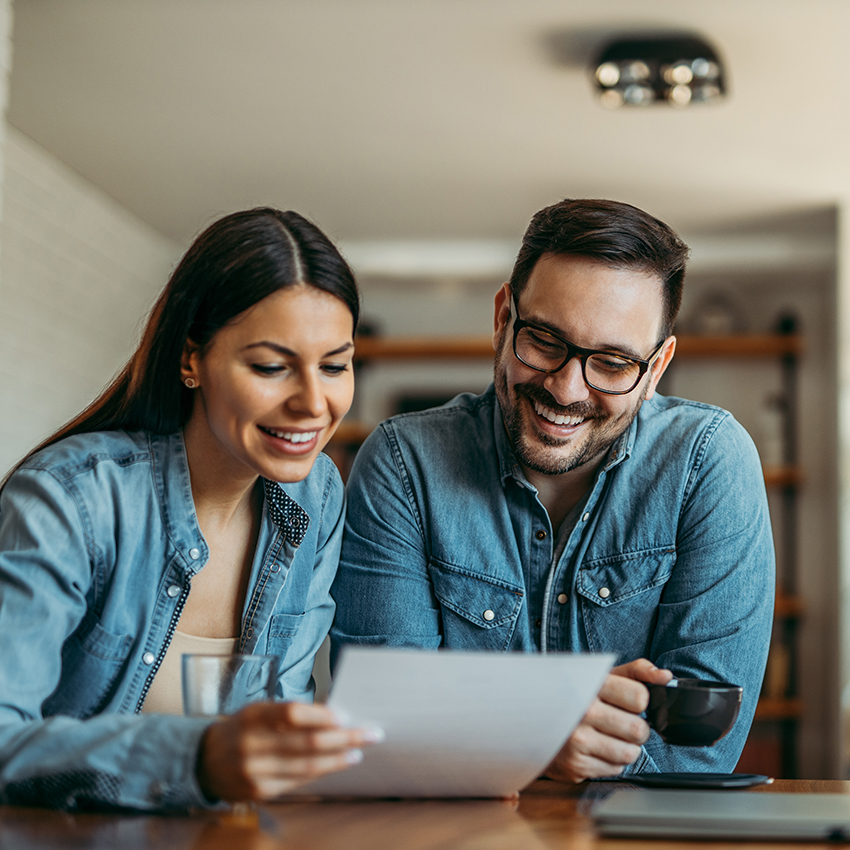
(556, 418)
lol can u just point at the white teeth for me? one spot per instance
(293, 436)
(556, 418)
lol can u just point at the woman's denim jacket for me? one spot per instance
(671, 558)
(98, 546)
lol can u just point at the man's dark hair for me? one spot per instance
(618, 235)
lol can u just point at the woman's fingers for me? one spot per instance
(271, 746)
(298, 742)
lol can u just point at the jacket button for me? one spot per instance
(562, 598)
(604, 592)
(194, 554)
(275, 568)
(249, 634)
(541, 535)
(488, 615)
(149, 658)
(585, 516)
(173, 590)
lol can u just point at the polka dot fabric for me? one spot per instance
(287, 514)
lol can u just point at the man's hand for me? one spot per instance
(267, 749)
(610, 735)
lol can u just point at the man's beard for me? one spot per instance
(530, 445)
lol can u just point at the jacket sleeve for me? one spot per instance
(133, 761)
(383, 593)
(716, 611)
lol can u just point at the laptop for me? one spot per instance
(724, 814)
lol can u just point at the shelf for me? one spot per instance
(787, 607)
(783, 476)
(351, 434)
(468, 347)
(739, 345)
(779, 709)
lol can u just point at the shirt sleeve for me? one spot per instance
(383, 592)
(716, 611)
(141, 762)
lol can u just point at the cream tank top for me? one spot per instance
(165, 695)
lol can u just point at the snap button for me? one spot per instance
(488, 615)
(173, 590)
(562, 598)
(149, 658)
(194, 554)
(604, 592)
(275, 568)
(585, 516)
(541, 535)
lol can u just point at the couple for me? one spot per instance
(189, 508)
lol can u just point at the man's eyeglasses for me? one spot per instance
(602, 370)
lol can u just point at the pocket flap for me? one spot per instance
(607, 581)
(477, 598)
(284, 625)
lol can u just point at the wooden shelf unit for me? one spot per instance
(374, 348)
(770, 708)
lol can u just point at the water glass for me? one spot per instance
(215, 685)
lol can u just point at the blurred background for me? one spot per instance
(422, 135)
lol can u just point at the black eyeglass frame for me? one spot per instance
(581, 353)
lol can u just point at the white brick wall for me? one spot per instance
(5, 73)
(78, 273)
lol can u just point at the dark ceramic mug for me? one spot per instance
(693, 712)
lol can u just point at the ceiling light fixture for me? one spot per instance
(678, 70)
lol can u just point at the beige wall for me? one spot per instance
(78, 274)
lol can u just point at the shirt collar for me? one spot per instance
(286, 513)
(175, 492)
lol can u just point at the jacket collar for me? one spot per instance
(174, 493)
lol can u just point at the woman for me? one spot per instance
(152, 525)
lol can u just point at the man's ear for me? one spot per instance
(189, 362)
(659, 367)
(502, 315)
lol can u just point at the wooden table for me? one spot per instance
(548, 815)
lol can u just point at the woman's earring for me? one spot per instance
(191, 383)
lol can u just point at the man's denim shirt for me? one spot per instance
(98, 546)
(671, 558)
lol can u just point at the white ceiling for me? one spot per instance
(425, 119)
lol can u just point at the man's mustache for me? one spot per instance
(584, 409)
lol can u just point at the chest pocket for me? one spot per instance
(620, 597)
(282, 629)
(92, 657)
(478, 612)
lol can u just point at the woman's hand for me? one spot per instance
(268, 748)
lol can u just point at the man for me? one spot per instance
(570, 507)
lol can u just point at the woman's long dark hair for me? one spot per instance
(233, 264)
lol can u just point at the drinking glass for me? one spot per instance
(215, 685)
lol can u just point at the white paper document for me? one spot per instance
(458, 724)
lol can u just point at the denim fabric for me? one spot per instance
(98, 546)
(671, 558)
